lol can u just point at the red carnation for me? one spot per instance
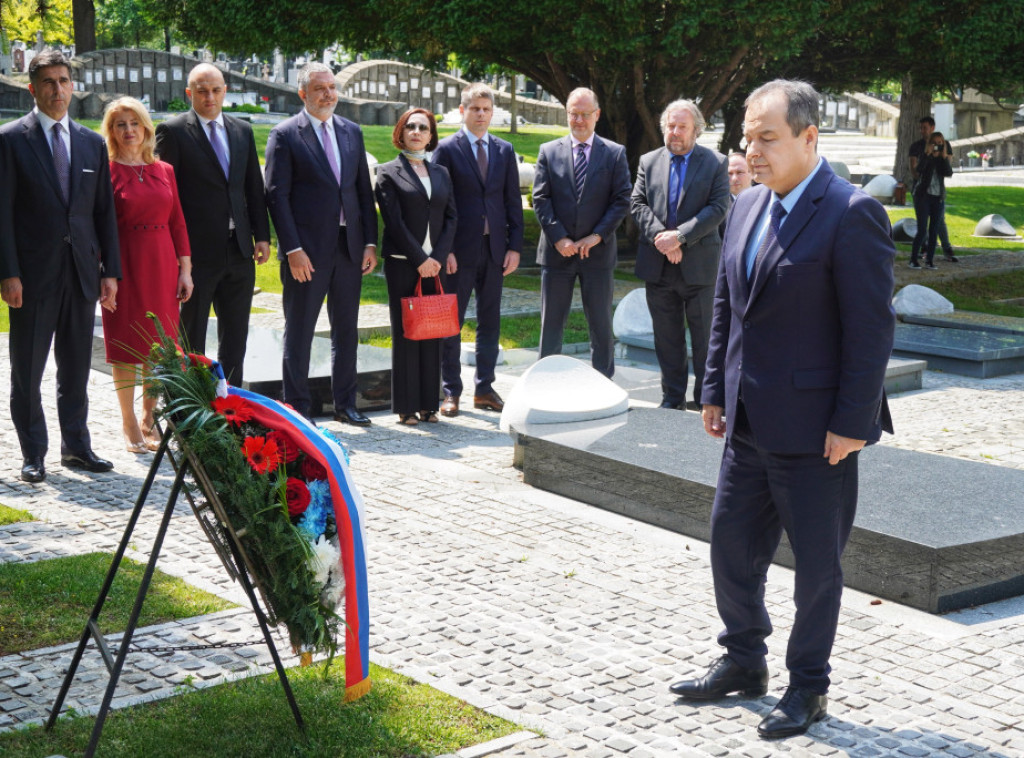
(261, 453)
(233, 408)
(287, 449)
(297, 496)
(312, 469)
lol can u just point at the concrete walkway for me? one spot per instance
(568, 620)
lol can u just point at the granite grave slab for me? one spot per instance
(970, 320)
(931, 532)
(981, 353)
(263, 368)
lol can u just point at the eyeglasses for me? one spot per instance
(417, 128)
(577, 116)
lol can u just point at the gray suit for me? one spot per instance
(681, 294)
(599, 210)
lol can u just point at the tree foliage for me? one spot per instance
(638, 55)
(22, 19)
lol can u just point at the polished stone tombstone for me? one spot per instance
(263, 368)
(970, 320)
(994, 225)
(917, 300)
(632, 317)
(904, 230)
(980, 353)
(882, 188)
(931, 532)
(559, 389)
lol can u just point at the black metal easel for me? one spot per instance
(226, 541)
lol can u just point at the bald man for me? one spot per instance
(221, 187)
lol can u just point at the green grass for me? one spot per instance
(516, 331)
(398, 718)
(10, 515)
(966, 206)
(977, 293)
(48, 602)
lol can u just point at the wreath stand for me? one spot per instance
(217, 526)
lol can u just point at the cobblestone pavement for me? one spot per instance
(568, 620)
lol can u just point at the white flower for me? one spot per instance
(325, 557)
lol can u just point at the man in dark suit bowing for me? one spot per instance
(58, 254)
(800, 340)
(221, 187)
(321, 201)
(680, 197)
(488, 240)
(580, 194)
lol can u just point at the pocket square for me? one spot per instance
(88, 171)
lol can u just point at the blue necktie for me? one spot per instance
(771, 234)
(676, 175)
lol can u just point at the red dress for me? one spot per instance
(151, 229)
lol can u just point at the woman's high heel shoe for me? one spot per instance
(139, 448)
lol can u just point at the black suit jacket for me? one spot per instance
(702, 206)
(36, 225)
(406, 211)
(497, 198)
(208, 199)
(304, 199)
(599, 209)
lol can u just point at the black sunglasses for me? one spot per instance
(417, 128)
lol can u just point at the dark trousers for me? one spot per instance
(486, 278)
(226, 283)
(676, 306)
(759, 495)
(929, 212)
(415, 364)
(596, 288)
(63, 317)
(340, 280)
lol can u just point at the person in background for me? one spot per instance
(155, 260)
(929, 199)
(917, 150)
(679, 199)
(739, 174)
(488, 240)
(58, 255)
(417, 205)
(580, 194)
(321, 201)
(221, 183)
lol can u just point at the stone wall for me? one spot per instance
(413, 86)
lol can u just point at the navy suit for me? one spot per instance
(679, 294)
(305, 204)
(599, 209)
(222, 265)
(480, 257)
(60, 250)
(799, 351)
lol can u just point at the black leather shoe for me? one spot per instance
(793, 714)
(670, 405)
(693, 405)
(351, 416)
(86, 460)
(724, 677)
(33, 470)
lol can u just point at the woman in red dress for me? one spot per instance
(155, 259)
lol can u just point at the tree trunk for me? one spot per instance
(915, 104)
(514, 106)
(83, 14)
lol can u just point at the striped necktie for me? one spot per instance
(61, 162)
(580, 168)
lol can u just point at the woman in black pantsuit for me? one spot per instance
(418, 209)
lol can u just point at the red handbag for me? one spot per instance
(429, 317)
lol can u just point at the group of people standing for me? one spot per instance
(790, 317)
